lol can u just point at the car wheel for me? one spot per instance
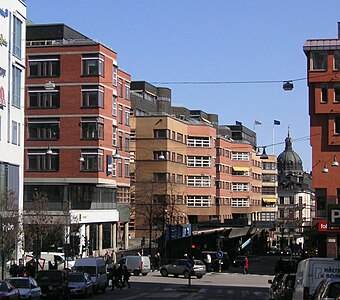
(199, 276)
(186, 274)
(164, 273)
(136, 272)
(144, 274)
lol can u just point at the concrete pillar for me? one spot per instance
(332, 249)
(100, 238)
(114, 236)
(87, 234)
(126, 235)
(82, 235)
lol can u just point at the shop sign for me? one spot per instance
(333, 216)
(4, 12)
(3, 42)
(323, 227)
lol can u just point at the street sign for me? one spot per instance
(219, 254)
(333, 216)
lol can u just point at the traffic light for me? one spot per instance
(193, 246)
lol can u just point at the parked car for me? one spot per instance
(273, 285)
(80, 284)
(53, 284)
(27, 286)
(8, 291)
(239, 261)
(285, 287)
(181, 267)
(327, 289)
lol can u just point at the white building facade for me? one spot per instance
(12, 83)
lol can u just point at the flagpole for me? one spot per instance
(273, 138)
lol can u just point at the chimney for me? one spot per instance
(338, 30)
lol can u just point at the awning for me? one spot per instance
(237, 232)
(241, 169)
(270, 200)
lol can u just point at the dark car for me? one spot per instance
(239, 261)
(8, 291)
(80, 284)
(273, 285)
(53, 284)
(181, 267)
(285, 287)
(327, 289)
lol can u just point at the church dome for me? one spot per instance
(289, 161)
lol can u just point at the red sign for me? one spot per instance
(322, 227)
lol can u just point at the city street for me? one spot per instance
(211, 286)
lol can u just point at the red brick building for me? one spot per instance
(77, 117)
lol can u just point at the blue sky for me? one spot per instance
(213, 40)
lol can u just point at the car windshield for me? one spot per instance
(90, 270)
(20, 283)
(334, 290)
(3, 287)
(75, 277)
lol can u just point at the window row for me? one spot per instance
(198, 201)
(243, 156)
(240, 202)
(199, 161)
(319, 60)
(199, 142)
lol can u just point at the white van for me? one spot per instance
(136, 264)
(52, 257)
(95, 266)
(310, 272)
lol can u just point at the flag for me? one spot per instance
(258, 122)
(277, 122)
(238, 123)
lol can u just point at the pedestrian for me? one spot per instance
(14, 270)
(114, 277)
(120, 277)
(126, 276)
(156, 262)
(245, 266)
(208, 262)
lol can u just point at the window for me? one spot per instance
(269, 178)
(269, 166)
(199, 181)
(40, 98)
(127, 143)
(120, 168)
(337, 93)
(93, 96)
(240, 202)
(120, 88)
(17, 30)
(180, 137)
(16, 87)
(180, 158)
(38, 160)
(114, 75)
(180, 179)
(127, 116)
(120, 114)
(127, 91)
(43, 129)
(268, 190)
(240, 187)
(196, 141)
(160, 177)
(244, 156)
(93, 64)
(324, 92)
(337, 124)
(120, 141)
(114, 135)
(337, 60)
(199, 161)
(93, 160)
(15, 133)
(92, 128)
(161, 133)
(127, 169)
(114, 105)
(319, 60)
(200, 201)
(44, 66)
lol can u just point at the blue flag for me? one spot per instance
(277, 122)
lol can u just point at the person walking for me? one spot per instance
(208, 262)
(120, 277)
(126, 277)
(245, 266)
(156, 262)
(114, 277)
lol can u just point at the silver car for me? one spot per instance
(80, 284)
(27, 286)
(182, 267)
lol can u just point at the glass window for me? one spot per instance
(38, 160)
(16, 87)
(114, 105)
(324, 92)
(127, 91)
(127, 168)
(319, 60)
(127, 116)
(44, 66)
(43, 129)
(114, 135)
(93, 96)
(114, 75)
(161, 133)
(17, 31)
(127, 143)
(40, 98)
(337, 124)
(15, 138)
(93, 160)
(337, 93)
(120, 114)
(337, 60)
(93, 65)
(200, 201)
(199, 161)
(92, 128)
(120, 88)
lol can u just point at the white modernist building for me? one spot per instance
(12, 83)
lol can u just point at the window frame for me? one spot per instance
(92, 91)
(44, 162)
(93, 64)
(46, 66)
(93, 160)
